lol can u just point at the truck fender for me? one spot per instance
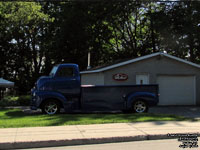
(45, 95)
(149, 98)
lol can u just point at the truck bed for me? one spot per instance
(110, 97)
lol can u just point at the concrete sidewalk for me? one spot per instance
(13, 138)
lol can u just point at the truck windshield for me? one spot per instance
(53, 71)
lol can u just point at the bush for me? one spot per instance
(23, 100)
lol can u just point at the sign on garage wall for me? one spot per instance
(120, 77)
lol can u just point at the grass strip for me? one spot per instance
(13, 118)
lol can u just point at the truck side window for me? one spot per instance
(66, 72)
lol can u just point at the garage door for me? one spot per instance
(176, 90)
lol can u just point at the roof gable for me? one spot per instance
(140, 59)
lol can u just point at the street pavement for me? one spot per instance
(169, 144)
(13, 138)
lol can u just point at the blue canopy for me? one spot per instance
(6, 83)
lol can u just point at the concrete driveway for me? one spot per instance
(186, 111)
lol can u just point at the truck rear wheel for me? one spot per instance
(51, 107)
(140, 106)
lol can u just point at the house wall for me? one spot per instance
(92, 79)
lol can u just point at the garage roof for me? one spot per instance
(139, 59)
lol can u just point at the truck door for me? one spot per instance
(67, 82)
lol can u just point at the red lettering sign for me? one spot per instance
(120, 77)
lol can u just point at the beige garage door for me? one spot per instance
(176, 90)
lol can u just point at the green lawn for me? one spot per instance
(10, 118)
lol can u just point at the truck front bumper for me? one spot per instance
(34, 100)
(33, 105)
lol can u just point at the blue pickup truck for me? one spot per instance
(63, 89)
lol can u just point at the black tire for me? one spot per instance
(140, 106)
(51, 107)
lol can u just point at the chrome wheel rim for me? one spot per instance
(140, 106)
(51, 108)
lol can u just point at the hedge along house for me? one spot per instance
(178, 79)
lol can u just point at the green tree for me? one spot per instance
(178, 26)
(21, 23)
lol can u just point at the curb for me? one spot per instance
(54, 143)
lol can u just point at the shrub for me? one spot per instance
(23, 100)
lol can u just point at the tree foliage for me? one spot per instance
(21, 41)
(36, 35)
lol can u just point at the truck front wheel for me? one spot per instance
(140, 106)
(51, 107)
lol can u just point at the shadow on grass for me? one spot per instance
(15, 113)
(113, 118)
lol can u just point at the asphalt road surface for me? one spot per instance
(172, 144)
